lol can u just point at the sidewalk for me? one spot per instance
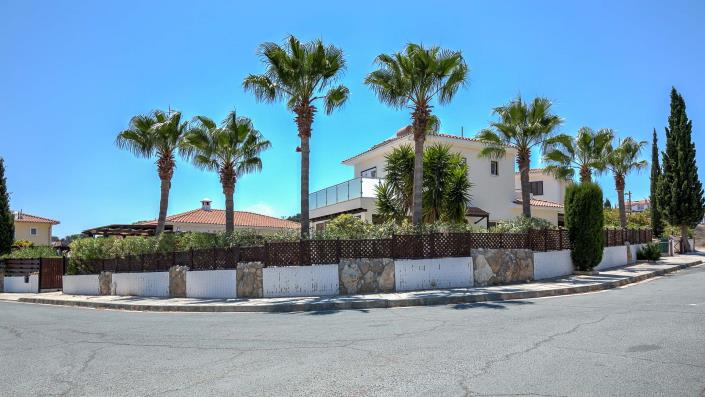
(562, 286)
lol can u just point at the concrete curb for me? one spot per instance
(361, 304)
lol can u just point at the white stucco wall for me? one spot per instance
(211, 284)
(316, 280)
(419, 274)
(83, 284)
(141, 284)
(553, 189)
(552, 264)
(17, 284)
(613, 257)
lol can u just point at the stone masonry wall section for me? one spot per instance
(249, 280)
(502, 266)
(366, 276)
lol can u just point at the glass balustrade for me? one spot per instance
(348, 190)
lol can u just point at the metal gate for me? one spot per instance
(51, 271)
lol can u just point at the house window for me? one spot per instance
(369, 173)
(536, 188)
(494, 167)
(33, 231)
(561, 220)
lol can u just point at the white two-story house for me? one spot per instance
(494, 194)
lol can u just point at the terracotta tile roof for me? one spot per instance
(541, 203)
(217, 217)
(404, 135)
(25, 217)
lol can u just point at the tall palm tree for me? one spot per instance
(156, 134)
(413, 78)
(301, 74)
(232, 150)
(586, 152)
(524, 126)
(621, 161)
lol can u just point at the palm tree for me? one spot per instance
(301, 74)
(524, 126)
(412, 79)
(621, 161)
(160, 134)
(232, 150)
(586, 152)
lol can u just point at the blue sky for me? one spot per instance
(74, 72)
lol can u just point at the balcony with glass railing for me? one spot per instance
(348, 190)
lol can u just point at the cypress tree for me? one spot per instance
(656, 219)
(585, 221)
(680, 192)
(608, 203)
(7, 222)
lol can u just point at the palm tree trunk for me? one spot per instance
(163, 204)
(304, 120)
(420, 118)
(523, 162)
(585, 174)
(685, 245)
(165, 169)
(416, 196)
(305, 152)
(229, 191)
(619, 184)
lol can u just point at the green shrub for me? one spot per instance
(585, 221)
(32, 252)
(21, 244)
(521, 224)
(649, 252)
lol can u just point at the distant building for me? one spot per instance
(33, 228)
(495, 192)
(640, 205)
(207, 219)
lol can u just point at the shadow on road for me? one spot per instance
(489, 305)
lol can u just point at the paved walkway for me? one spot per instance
(574, 284)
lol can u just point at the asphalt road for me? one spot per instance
(644, 339)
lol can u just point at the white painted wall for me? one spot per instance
(318, 280)
(83, 284)
(553, 189)
(552, 264)
(141, 284)
(419, 274)
(211, 284)
(613, 257)
(17, 284)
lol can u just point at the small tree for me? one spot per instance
(680, 192)
(608, 203)
(7, 222)
(585, 222)
(656, 219)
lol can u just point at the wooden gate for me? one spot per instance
(51, 271)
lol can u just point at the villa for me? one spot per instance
(33, 228)
(495, 194)
(201, 219)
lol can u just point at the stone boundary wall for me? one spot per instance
(349, 277)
